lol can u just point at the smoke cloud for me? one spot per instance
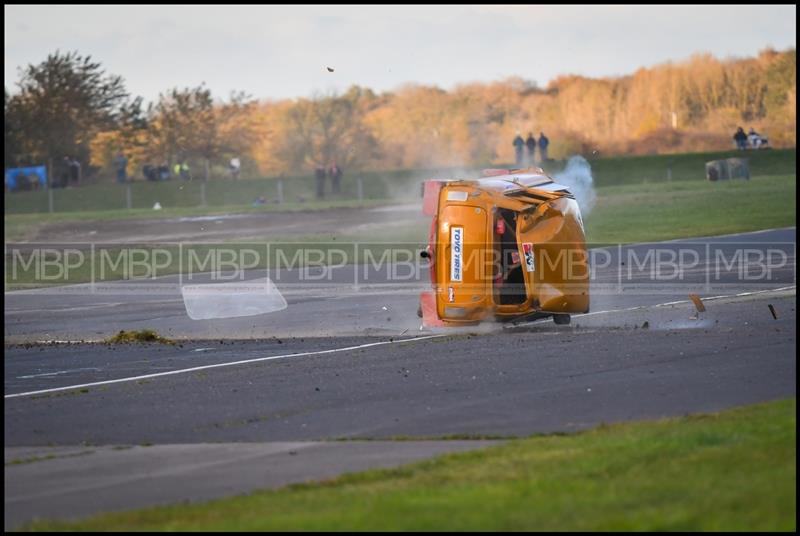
(577, 176)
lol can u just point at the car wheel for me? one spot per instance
(561, 319)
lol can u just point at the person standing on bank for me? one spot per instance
(530, 143)
(319, 176)
(335, 173)
(519, 145)
(543, 143)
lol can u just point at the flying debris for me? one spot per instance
(772, 310)
(698, 303)
(228, 300)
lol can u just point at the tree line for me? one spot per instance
(69, 105)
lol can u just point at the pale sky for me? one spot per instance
(275, 52)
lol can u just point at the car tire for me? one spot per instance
(561, 319)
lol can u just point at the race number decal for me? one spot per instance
(527, 252)
(456, 253)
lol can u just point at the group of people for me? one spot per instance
(751, 140)
(70, 172)
(525, 150)
(151, 172)
(156, 173)
(161, 172)
(334, 172)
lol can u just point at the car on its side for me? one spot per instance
(505, 246)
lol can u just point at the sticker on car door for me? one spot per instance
(527, 252)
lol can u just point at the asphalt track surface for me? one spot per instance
(643, 352)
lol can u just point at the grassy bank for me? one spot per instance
(397, 184)
(735, 470)
(615, 171)
(684, 209)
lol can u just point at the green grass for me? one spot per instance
(25, 212)
(685, 167)
(300, 189)
(684, 209)
(218, 193)
(729, 471)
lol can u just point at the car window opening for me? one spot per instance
(509, 281)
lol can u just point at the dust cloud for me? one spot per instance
(577, 176)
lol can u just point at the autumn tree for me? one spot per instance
(328, 128)
(61, 104)
(187, 123)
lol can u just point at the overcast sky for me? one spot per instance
(274, 52)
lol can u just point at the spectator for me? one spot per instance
(182, 170)
(741, 139)
(185, 173)
(74, 171)
(319, 175)
(518, 144)
(149, 172)
(531, 144)
(64, 173)
(335, 173)
(235, 167)
(121, 166)
(756, 140)
(163, 172)
(543, 143)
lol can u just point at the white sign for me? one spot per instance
(456, 253)
(527, 250)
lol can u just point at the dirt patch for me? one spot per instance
(143, 335)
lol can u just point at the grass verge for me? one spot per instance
(734, 470)
(669, 210)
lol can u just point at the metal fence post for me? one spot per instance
(203, 194)
(50, 199)
(128, 197)
(280, 191)
(360, 183)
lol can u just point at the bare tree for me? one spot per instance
(329, 128)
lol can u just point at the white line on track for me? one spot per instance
(349, 348)
(704, 239)
(679, 302)
(219, 365)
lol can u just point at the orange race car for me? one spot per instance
(506, 246)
